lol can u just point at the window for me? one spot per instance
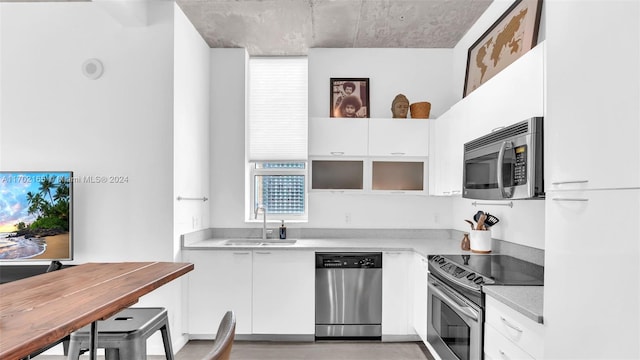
(279, 188)
(277, 137)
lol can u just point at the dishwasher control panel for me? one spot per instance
(351, 260)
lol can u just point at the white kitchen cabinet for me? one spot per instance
(399, 176)
(450, 135)
(338, 137)
(514, 94)
(592, 276)
(493, 105)
(337, 174)
(284, 292)
(220, 281)
(499, 347)
(592, 101)
(511, 335)
(398, 137)
(396, 293)
(419, 316)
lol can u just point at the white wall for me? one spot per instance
(420, 74)
(228, 84)
(53, 118)
(191, 147)
(191, 128)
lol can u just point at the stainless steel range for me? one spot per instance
(456, 302)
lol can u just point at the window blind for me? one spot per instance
(278, 108)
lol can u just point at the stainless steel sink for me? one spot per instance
(261, 242)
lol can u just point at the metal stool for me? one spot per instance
(124, 335)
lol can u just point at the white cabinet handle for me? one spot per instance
(392, 252)
(263, 252)
(503, 354)
(569, 199)
(506, 322)
(241, 253)
(337, 153)
(570, 182)
(456, 191)
(398, 153)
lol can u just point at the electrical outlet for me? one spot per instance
(347, 218)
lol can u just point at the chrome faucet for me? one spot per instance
(264, 220)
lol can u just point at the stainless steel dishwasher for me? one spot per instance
(348, 295)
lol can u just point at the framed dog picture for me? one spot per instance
(349, 97)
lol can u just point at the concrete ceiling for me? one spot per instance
(291, 27)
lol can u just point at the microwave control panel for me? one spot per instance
(520, 166)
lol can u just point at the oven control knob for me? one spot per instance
(479, 280)
(441, 261)
(471, 276)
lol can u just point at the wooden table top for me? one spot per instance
(40, 310)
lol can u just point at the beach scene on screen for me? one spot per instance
(35, 215)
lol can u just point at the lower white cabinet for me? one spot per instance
(511, 335)
(419, 316)
(271, 292)
(592, 274)
(220, 281)
(283, 292)
(396, 293)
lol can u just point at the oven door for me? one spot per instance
(454, 328)
(502, 170)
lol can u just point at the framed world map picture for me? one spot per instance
(512, 35)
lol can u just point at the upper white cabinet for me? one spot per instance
(514, 94)
(592, 133)
(368, 137)
(369, 155)
(398, 137)
(338, 137)
(446, 159)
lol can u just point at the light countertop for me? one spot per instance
(422, 246)
(527, 300)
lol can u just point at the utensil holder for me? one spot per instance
(480, 241)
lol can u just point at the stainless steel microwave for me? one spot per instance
(505, 164)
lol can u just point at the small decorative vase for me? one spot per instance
(466, 243)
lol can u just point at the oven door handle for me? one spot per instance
(449, 300)
(503, 147)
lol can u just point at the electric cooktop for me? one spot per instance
(489, 269)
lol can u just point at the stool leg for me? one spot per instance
(166, 339)
(112, 354)
(74, 350)
(134, 350)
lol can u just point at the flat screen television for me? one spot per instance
(36, 216)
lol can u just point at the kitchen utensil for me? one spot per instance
(490, 220)
(481, 221)
(470, 223)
